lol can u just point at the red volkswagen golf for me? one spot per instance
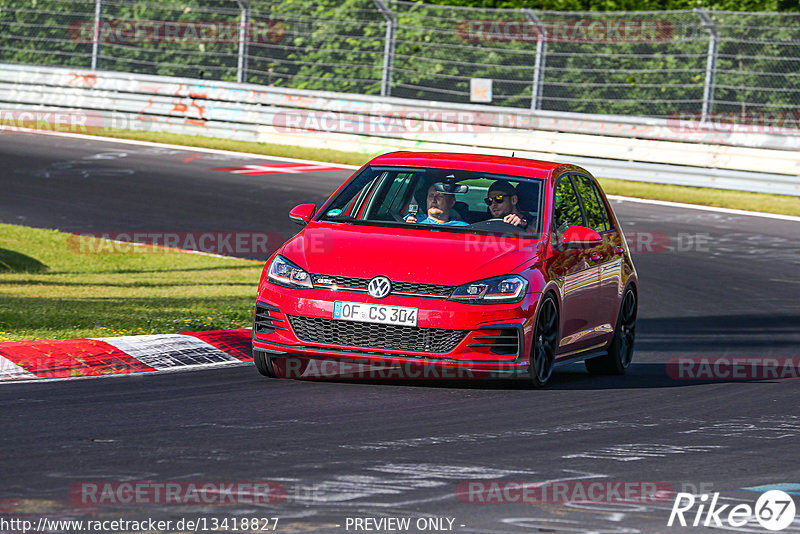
(464, 264)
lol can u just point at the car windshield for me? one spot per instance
(440, 199)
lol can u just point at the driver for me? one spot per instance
(439, 206)
(503, 202)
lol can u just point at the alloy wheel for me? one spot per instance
(545, 342)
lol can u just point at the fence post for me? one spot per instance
(97, 35)
(539, 61)
(244, 38)
(711, 64)
(388, 49)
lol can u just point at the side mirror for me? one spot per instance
(580, 237)
(302, 214)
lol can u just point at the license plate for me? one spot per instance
(375, 313)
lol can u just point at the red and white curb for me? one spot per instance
(71, 358)
(280, 168)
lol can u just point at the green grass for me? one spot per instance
(50, 289)
(782, 204)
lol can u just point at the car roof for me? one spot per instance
(529, 168)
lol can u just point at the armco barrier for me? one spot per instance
(653, 150)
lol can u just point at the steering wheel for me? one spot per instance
(496, 224)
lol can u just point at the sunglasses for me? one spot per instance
(497, 198)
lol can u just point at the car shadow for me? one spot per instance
(676, 341)
(718, 333)
(572, 377)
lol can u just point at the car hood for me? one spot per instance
(408, 254)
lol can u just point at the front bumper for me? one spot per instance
(299, 323)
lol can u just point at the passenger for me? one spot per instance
(439, 206)
(503, 202)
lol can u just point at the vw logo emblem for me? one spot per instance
(379, 287)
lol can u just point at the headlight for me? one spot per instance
(284, 273)
(495, 290)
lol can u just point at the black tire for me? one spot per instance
(545, 342)
(620, 351)
(263, 363)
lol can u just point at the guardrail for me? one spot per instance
(654, 150)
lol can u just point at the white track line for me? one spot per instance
(183, 147)
(706, 208)
(174, 370)
(353, 167)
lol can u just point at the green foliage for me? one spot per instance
(628, 5)
(338, 45)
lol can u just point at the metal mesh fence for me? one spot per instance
(439, 49)
(632, 63)
(134, 38)
(317, 46)
(759, 62)
(38, 33)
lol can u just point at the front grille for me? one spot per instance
(339, 281)
(375, 336)
(425, 289)
(324, 281)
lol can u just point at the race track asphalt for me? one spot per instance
(727, 286)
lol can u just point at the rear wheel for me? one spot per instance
(545, 342)
(620, 352)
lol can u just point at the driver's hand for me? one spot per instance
(513, 218)
(411, 219)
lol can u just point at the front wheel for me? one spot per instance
(263, 363)
(620, 352)
(545, 343)
(281, 367)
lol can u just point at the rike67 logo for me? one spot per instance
(774, 510)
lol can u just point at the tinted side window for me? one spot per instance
(595, 212)
(603, 208)
(393, 196)
(566, 209)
